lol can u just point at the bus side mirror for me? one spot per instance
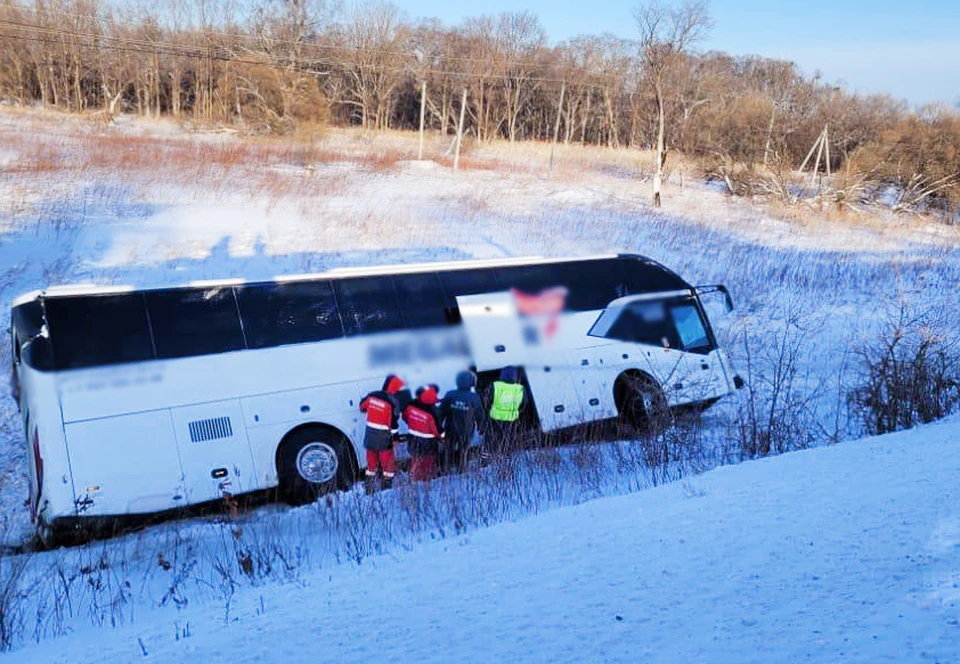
(727, 298)
(717, 288)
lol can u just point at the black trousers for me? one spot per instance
(454, 456)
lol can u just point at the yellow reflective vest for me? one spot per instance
(507, 398)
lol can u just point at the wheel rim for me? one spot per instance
(645, 402)
(640, 403)
(317, 463)
(643, 406)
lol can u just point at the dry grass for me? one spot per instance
(64, 150)
(499, 155)
(56, 151)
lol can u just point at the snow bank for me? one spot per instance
(848, 553)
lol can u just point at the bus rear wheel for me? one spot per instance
(642, 406)
(312, 462)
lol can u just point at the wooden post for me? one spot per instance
(803, 164)
(556, 126)
(826, 143)
(463, 108)
(816, 166)
(423, 111)
(766, 148)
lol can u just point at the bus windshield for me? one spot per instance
(674, 323)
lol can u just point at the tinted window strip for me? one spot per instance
(658, 272)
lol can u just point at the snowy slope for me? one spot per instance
(848, 553)
(779, 560)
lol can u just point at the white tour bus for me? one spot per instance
(138, 401)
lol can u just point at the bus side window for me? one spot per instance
(288, 313)
(93, 331)
(367, 305)
(473, 282)
(535, 278)
(644, 276)
(191, 321)
(38, 354)
(593, 284)
(421, 299)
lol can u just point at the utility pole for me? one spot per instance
(820, 146)
(556, 126)
(463, 108)
(423, 111)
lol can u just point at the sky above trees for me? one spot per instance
(908, 49)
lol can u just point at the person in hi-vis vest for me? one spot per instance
(506, 398)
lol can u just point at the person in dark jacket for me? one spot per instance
(461, 413)
(383, 418)
(506, 398)
(423, 421)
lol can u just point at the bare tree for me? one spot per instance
(435, 61)
(374, 57)
(282, 89)
(578, 61)
(483, 66)
(615, 64)
(666, 33)
(279, 65)
(522, 38)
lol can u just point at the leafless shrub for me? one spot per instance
(776, 412)
(911, 372)
(918, 189)
(774, 182)
(853, 189)
(13, 598)
(278, 101)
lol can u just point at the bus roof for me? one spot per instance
(69, 290)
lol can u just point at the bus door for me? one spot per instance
(594, 378)
(493, 329)
(555, 393)
(495, 334)
(214, 450)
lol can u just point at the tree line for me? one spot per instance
(275, 65)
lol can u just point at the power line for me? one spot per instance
(310, 45)
(223, 54)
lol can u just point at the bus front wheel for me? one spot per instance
(642, 406)
(312, 462)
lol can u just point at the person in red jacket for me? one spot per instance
(423, 420)
(383, 418)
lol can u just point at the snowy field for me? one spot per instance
(849, 553)
(845, 553)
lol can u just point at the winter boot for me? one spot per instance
(370, 484)
(387, 482)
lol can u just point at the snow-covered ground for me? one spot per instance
(715, 568)
(849, 553)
